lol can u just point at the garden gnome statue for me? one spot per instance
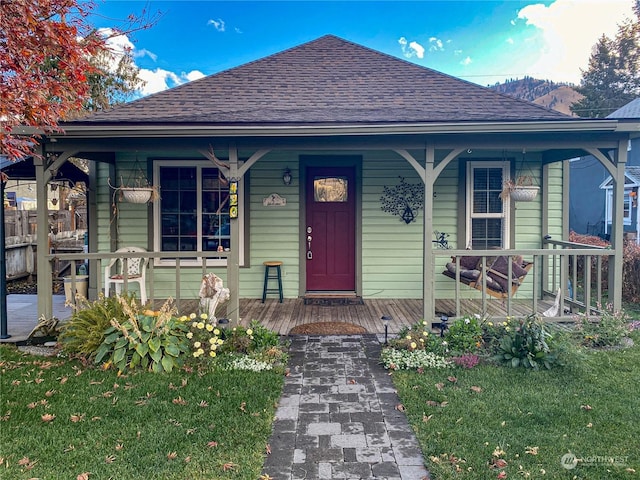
(212, 294)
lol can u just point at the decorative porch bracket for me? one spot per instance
(429, 174)
(616, 168)
(44, 172)
(235, 170)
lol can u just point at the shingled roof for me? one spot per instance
(323, 82)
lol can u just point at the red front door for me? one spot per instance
(330, 230)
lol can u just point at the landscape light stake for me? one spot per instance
(385, 320)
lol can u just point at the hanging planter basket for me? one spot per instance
(524, 193)
(137, 194)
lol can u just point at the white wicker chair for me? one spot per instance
(136, 273)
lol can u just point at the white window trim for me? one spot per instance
(199, 165)
(609, 208)
(505, 215)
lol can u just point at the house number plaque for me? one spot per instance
(233, 199)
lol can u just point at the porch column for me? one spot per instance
(43, 265)
(428, 294)
(617, 227)
(233, 260)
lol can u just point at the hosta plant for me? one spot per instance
(526, 343)
(155, 341)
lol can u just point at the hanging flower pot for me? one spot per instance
(138, 194)
(524, 193)
(521, 189)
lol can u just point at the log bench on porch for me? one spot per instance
(490, 274)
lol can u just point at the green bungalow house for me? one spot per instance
(354, 169)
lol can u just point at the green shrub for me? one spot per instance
(609, 331)
(84, 331)
(418, 337)
(526, 343)
(464, 335)
(156, 341)
(401, 359)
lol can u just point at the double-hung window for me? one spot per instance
(192, 214)
(487, 213)
(626, 206)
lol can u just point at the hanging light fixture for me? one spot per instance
(286, 176)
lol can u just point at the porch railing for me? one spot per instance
(98, 261)
(559, 265)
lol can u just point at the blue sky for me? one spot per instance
(481, 41)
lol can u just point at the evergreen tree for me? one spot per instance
(612, 78)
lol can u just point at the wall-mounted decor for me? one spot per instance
(403, 200)
(274, 200)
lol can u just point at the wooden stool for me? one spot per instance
(273, 276)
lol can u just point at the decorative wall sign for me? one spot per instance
(403, 200)
(274, 200)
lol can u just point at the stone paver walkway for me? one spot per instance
(337, 417)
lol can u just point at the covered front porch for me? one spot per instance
(281, 317)
(557, 266)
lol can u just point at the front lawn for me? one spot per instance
(60, 419)
(491, 422)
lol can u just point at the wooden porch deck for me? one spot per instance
(282, 317)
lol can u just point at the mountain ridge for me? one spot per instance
(554, 95)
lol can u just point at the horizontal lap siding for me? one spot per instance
(391, 249)
(274, 231)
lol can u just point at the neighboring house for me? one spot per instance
(312, 136)
(590, 209)
(631, 212)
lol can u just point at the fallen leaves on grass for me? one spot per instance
(77, 417)
(586, 407)
(452, 379)
(27, 463)
(440, 386)
(228, 466)
(212, 444)
(426, 418)
(203, 404)
(498, 463)
(531, 450)
(400, 407)
(179, 401)
(267, 449)
(50, 393)
(110, 458)
(48, 417)
(172, 455)
(476, 389)
(83, 476)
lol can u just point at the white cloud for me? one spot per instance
(457, 52)
(159, 79)
(466, 61)
(412, 49)
(155, 80)
(118, 45)
(417, 48)
(509, 41)
(193, 75)
(145, 53)
(218, 24)
(435, 44)
(567, 31)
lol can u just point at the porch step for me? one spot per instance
(329, 299)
